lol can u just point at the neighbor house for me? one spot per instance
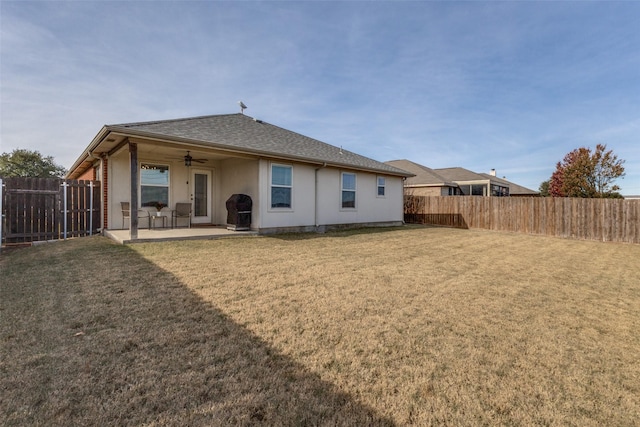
(457, 181)
(515, 190)
(426, 181)
(295, 183)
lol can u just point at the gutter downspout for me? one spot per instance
(404, 183)
(315, 213)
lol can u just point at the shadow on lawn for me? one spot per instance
(137, 347)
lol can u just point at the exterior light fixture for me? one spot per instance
(187, 159)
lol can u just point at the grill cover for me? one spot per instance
(239, 212)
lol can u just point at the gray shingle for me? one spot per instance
(423, 174)
(243, 133)
(459, 174)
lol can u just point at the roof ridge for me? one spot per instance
(421, 167)
(182, 119)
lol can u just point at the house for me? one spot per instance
(457, 181)
(515, 190)
(426, 181)
(295, 183)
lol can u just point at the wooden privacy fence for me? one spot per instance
(614, 220)
(36, 209)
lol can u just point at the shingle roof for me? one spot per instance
(423, 175)
(459, 174)
(452, 176)
(514, 189)
(245, 134)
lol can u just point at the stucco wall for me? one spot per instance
(302, 197)
(309, 209)
(252, 177)
(370, 208)
(237, 176)
(119, 179)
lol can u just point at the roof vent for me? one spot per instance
(493, 172)
(257, 120)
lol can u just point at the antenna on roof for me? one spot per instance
(242, 107)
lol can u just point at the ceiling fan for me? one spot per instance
(188, 159)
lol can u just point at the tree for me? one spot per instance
(585, 174)
(544, 188)
(27, 163)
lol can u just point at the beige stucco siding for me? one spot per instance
(370, 208)
(302, 197)
(237, 176)
(324, 208)
(313, 203)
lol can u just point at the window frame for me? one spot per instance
(353, 190)
(272, 186)
(383, 186)
(141, 184)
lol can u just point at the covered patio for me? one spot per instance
(168, 234)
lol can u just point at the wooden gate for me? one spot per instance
(37, 209)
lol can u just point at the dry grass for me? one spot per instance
(422, 326)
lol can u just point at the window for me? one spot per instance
(154, 184)
(478, 190)
(381, 186)
(348, 190)
(499, 191)
(281, 184)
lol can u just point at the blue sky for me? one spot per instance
(507, 85)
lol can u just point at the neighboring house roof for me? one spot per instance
(459, 174)
(424, 176)
(452, 177)
(514, 189)
(243, 134)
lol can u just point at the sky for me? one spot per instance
(511, 86)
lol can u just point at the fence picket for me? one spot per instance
(613, 220)
(33, 210)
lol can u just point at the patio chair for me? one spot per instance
(182, 210)
(126, 214)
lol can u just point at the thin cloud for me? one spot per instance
(511, 86)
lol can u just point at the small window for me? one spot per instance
(281, 185)
(381, 186)
(154, 185)
(348, 190)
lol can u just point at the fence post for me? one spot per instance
(90, 208)
(64, 198)
(1, 212)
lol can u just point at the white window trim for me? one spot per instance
(355, 191)
(383, 186)
(153, 163)
(276, 209)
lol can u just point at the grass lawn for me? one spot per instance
(424, 326)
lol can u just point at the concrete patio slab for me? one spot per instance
(169, 234)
